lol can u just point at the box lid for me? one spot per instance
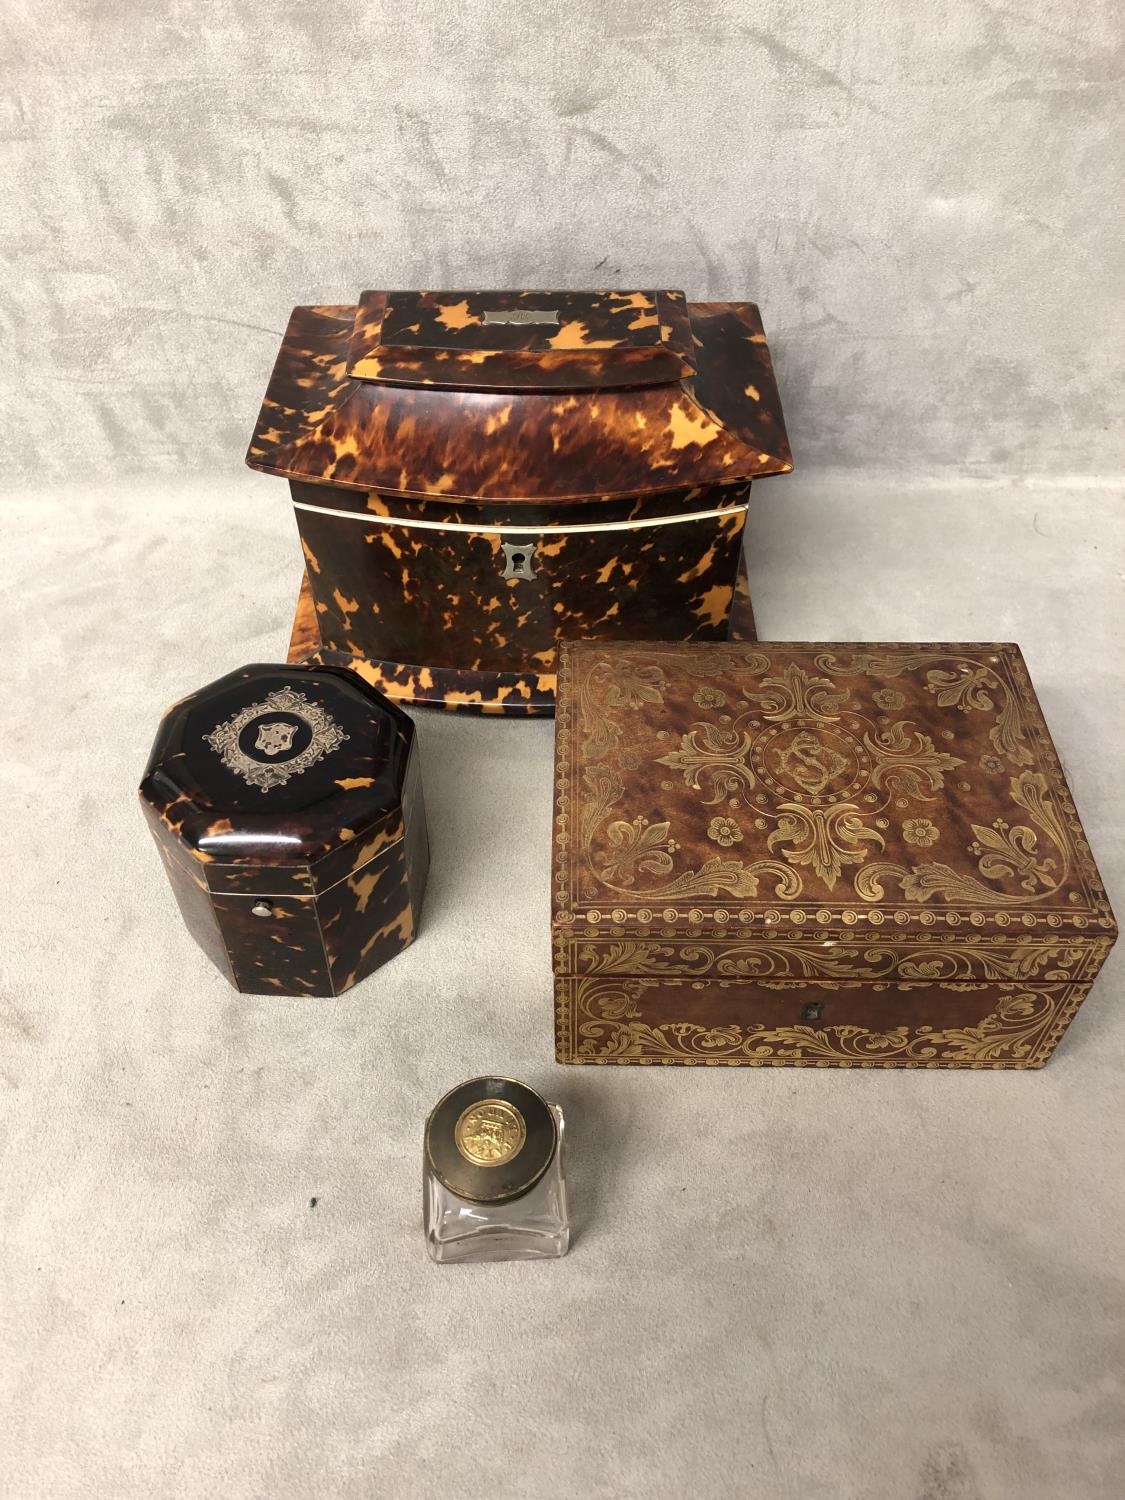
(513, 341)
(796, 811)
(433, 395)
(279, 768)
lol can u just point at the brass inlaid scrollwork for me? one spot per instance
(1041, 961)
(792, 693)
(1004, 851)
(714, 759)
(840, 787)
(825, 838)
(635, 846)
(906, 762)
(604, 1021)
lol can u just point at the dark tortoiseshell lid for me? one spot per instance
(500, 1181)
(281, 766)
(525, 397)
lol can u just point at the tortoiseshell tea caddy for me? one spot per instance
(286, 802)
(476, 475)
(856, 855)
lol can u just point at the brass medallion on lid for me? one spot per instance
(490, 1133)
(490, 1140)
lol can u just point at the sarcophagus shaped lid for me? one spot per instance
(523, 396)
(522, 341)
(801, 811)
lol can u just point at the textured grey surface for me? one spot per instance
(923, 199)
(791, 1284)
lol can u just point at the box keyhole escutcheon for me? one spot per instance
(519, 559)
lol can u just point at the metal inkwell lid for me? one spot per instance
(490, 1140)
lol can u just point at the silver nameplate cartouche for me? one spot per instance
(520, 315)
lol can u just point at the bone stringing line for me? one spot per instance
(555, 528)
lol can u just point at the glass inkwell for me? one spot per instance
(493, 1175)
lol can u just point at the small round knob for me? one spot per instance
(260, 909)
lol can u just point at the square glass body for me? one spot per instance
(531, 1227)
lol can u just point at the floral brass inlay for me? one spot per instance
(1044, 961)
(634, 846)
(1011, 851)
(724, 831)
(888, 699)
(713, 759)
(825, 838)
(1004, 853)
(883, 830)
(793, 693)
(906, 762)
(975, 687)
(609, 1021)
(836, 800)
(920, 832)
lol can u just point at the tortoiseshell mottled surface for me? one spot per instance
(304, 637)
(599, 340)
(484, 692)
(192, 897)
(338, 853)
(440, 598)
(367, 919)
(433, 610)
(424, 687)
(741, 625)
(449, 688)
(720, 425)
(246, 880)
(281, 954)
(729, 1023)
(874, 820)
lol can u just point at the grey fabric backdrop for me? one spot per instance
(923, 200)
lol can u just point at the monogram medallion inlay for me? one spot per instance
(810, 759)
(284, 724)
(276, 738)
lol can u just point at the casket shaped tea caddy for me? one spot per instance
(477, 475)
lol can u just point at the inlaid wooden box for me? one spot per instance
(478, 474)
(286, 803)
(821, 855)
